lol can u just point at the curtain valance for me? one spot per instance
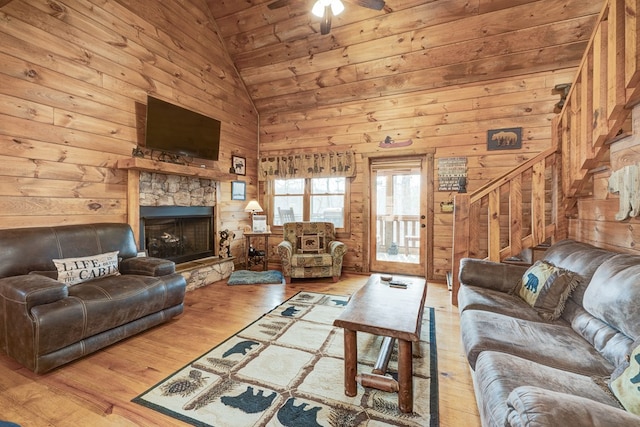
(317, 165)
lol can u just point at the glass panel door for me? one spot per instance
(398, 220)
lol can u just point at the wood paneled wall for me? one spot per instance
(75, 75)
(74, 81)
(453, 122)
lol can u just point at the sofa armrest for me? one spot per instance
(18, 296)
(533, 407)
(31, 290)
(147, 266)
(285, 249)
(491, 275)
(337, 249)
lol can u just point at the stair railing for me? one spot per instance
(519, 210)
(530, 205)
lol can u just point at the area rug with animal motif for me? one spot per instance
(287, 369)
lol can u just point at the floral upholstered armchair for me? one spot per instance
(309, 249)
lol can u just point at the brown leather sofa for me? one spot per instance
(533, 371)
(45, 323)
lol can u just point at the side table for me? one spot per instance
(250, 235)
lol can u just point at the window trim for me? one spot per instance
(306, 204)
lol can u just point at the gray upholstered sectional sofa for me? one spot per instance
(45, 323)
(532, 371)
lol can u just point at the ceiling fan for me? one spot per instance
(325, 9)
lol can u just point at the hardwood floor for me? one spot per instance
(97, 390)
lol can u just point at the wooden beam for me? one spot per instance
(133, 203)
(600, 123)
(632, 50)
(461, 240)
(616, 58)
(494, 225)
(155, 166)
(538, 203)
(515, 215)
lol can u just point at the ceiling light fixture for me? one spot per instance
(320, 7)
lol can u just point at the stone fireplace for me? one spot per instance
(178, 222)
(177, 216)
(166, 185)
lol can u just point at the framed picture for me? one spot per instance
(504, 139)
(238, 190)
(239, 165)
(259, 223)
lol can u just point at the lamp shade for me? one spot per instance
(336, 7)
(253, 206)
(318, 8)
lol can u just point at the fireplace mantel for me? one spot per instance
(156, 166)
(135, 165)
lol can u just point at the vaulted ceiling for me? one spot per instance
(409, 46)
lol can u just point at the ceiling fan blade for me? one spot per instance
(325, 24)
(369, 4)
(278, 4)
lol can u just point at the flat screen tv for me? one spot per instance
(176, 130)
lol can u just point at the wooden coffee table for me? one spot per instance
(395, 313)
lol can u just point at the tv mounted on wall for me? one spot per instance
(175, 130)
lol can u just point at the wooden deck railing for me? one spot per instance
(398, 229)
(530, 204)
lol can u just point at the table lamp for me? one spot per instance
(253, 206)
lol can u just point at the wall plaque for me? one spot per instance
(450, 170)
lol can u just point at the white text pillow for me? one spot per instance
(72, 271)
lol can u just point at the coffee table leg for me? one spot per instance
(405, 376)
(350, 363)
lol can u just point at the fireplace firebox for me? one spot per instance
(177, 233)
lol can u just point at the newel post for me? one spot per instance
(461, 239)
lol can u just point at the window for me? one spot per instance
(310, 199)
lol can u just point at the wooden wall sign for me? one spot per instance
(450, 170)
(504, 139)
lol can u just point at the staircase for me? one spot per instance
(531, 204)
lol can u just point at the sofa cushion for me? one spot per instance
(479, 298)
(552, 344)
(546, 288)
(498, 374)
(490, 274)
(102, 304)
(625, 383)
(609, 342)
(311, 260)
(578, 257)
(72, 271)
(614, 294)
(32, 249)
(537, 407)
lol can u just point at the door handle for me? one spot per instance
(422, 217)
(422, 226)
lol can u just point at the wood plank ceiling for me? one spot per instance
(409, 46)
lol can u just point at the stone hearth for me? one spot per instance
(157, 189)
(205, 271)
